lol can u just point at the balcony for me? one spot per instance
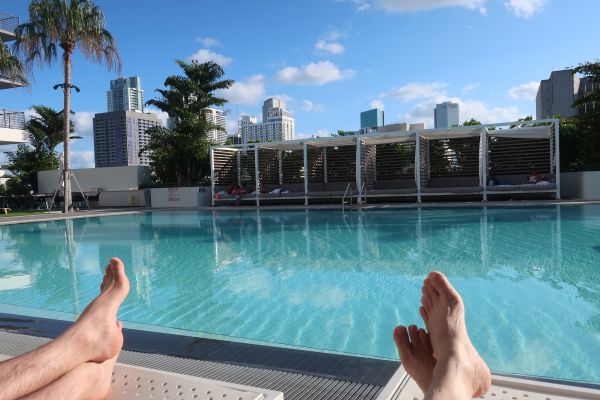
(12, 127)
(8, 24)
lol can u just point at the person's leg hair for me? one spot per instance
(89, 381)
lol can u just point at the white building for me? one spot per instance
(446, 115)
(277, 124)
(125, 94)
(218, 118)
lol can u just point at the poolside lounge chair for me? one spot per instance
(402, 387)
(133, 382)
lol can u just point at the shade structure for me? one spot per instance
(459, 161)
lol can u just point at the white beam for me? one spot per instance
(212, 176)
(557, 157)
(418, 167)
(305, 157)
(257, 176)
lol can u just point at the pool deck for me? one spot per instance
(100, 212)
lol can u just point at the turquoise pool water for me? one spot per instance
(530, 277)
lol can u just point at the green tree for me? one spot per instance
(180, 155)
(45, 133)
(67, 25)
(580, 135)
(11, 66)
(471, 122)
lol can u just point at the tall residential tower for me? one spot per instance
(119, 136)
(125, 94)
(277, 124)
(218, 118)
(557, 94)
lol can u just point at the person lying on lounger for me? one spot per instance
(442, 359)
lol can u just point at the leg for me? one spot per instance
(89, 381)
(459, 373)
(95, 336)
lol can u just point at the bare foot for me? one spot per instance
(444, 314)
(416, 354)
(97, 329)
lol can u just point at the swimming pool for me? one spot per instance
(530, 277)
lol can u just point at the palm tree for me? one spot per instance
(66, 24)
(46, 129)
(11, 67)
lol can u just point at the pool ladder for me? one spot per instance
(361, 197)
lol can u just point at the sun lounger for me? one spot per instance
(402, 387)
(132, 382)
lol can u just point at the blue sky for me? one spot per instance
(332, 59)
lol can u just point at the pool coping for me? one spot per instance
(351, 368)
(106, 212)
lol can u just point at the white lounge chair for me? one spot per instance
(402, 387)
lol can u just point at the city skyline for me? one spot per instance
(329, 69)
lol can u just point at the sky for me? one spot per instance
(331, 59)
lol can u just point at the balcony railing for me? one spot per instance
(8, 22)
(12, 119)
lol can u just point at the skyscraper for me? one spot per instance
(120, 135)
(557, 94)
(277, 124)
(218, 118)
(372, 119)
(446, 115)
(125, 94)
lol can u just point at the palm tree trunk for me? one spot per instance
(67, 146)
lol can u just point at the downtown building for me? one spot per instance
(277, 124)
(446, 115)
(120, 134)
(125, 94)
(216, 117)
(556, 95)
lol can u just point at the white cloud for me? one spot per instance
(479, 110)
(527, 91)
(402, 6)
(208, 41)
(334, 48)
(309, 106)
(248, 92)
(415, 91)
(378, 104)
(526, 8)
(82, 159)
(323, 132)
(159, 113)
(318, 73)
(283, 97)
(84, 123)
(206, 55)
(470, 87)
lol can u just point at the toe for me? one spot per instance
(402, 342)
(425, 303)
(441, 284)
(413, 332)
(425, 340)
(425, 316)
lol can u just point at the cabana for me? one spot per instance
(469, 161)
(523, 159)
(450, 161)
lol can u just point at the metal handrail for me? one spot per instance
(8, 22)
(12, 119)
(344, 198)
(360, 194)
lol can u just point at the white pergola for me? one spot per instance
(539, 129)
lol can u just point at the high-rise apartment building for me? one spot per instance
(372, 119)
(557, 94)
(277, 124)
(218, 118)
(120, 135)
(12, 123)
(446, 115)
(125, 94)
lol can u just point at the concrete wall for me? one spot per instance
(129, 198)
(98, 179)
(180, 197)
(581, 185)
